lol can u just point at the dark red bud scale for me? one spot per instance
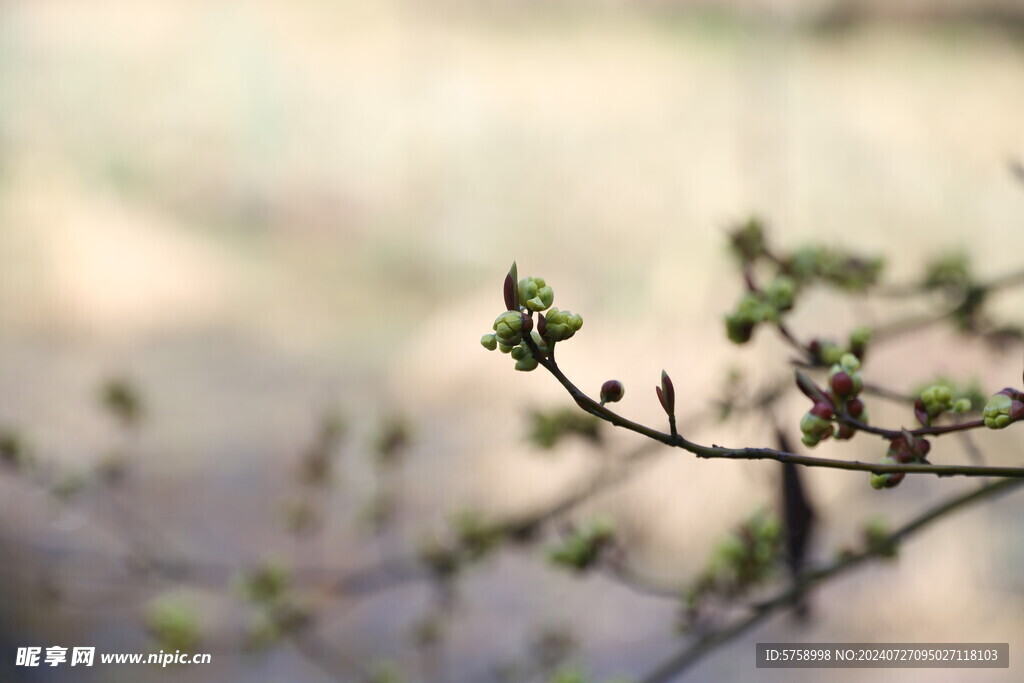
(808, 387)
(512, 288)
(920, 412)
(542, 325)
(527, 324)
(668, 394)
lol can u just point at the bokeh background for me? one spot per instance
(261, 211)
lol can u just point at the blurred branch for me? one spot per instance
(678, 663)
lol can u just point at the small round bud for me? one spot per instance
(822, 409)
(781, 292)
(489, 342)
(612, 391)
(855, 407)
(841, 383)
(889, 480)
(526, 364)
(844, 432)
(962, 405)
(849, 363)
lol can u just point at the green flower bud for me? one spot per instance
(508, 328)
(535, 294)
(489, 342)
(562, 325)
(831, 353)
(962, 405)
(505, 348)
(889, 480)
(860, 337)
(815, 429)
(997, 411)
(526, 364)
(738, 329)
(849, 363)
(937, 399)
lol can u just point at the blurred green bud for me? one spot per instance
(508, 328)
(877, 537)
(562, 325)
(173, 623)
(962, 405)
(860, 337)
(831, 353)
(738, 330)
(489, 342)
(780, 292)
(815, 429)
(581, 549)
(535, 294)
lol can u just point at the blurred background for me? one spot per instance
(258, 214)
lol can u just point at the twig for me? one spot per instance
(603, 412)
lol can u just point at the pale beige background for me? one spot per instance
(256, 210)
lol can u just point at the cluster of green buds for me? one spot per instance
(935, 400)
(1004, 408)
(742, 560)
(581, 549)
(838, 268)
(904, 449)
(755, 308)
(548, 428)
(826, 352)
(514, 330)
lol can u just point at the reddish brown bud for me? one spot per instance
(667, 394)
(845, 432)
(511, 288)
(841, 383)
(542, 325)
(855, 407)
(527, 324)
(612, 391)
(823, 410)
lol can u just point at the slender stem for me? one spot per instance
(596, 409)
(675, 665)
